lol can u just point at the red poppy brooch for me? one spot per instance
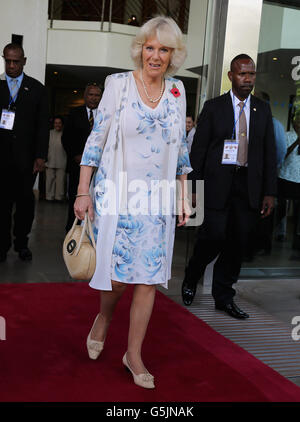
(175, 91)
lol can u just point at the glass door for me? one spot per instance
(275, 246)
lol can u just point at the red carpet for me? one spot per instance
(44, 358)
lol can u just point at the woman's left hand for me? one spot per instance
(184, 212)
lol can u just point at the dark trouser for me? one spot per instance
(72, 192)
(16, 188)
(224, 232)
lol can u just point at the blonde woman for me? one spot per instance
(138, 140)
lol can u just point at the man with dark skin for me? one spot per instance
(76, 131)
(236, 193)
(24, 147)
(242, 77)
(14, 64)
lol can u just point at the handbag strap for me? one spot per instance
(73, 227)
(87, 228)
(91, 233)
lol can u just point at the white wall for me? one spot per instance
(271, 28)
(27, 18)
(279, 28)
(83, 44)
(242, 33)
(291, 29)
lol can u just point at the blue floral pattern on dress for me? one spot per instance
(93, 151)
(139, 250)
(151, 121)
(150, 124)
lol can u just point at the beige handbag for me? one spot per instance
(79, 250)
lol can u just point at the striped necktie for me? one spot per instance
(14, 88)
(91, 119)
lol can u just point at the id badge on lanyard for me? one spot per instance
(231, 146)
(230, 151)
(8, 115)
(7, 119)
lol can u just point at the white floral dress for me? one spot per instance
(134, 148)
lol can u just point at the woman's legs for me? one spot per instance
(108, 302)
(140, 313)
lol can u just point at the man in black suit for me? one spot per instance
(76, 131)
(24, 138)
(237, 190)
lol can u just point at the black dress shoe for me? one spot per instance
(25, 254)
(233, 310)
(188, 292)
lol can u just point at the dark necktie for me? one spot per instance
(91, 119)
(243, 142)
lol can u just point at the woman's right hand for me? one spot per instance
(82, 205)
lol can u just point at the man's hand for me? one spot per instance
(38, 165)
(267, 206)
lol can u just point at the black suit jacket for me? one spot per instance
(75, 134)
(215, 124)
(29, 137)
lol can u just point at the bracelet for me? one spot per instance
(82, 194)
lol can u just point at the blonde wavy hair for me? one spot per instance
(168, 34)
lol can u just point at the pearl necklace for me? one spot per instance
(153, 100)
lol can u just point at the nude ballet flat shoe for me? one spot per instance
(94, 347)
(143, 380)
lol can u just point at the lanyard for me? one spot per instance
(12, 100)
(240, 113)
